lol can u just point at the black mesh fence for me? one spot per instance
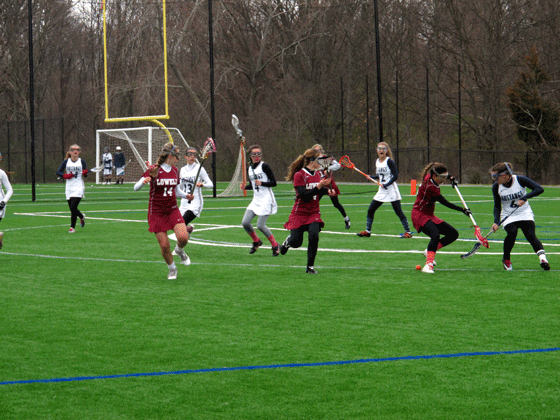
(15, 146)
(470, 166)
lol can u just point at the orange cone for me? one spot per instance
(413, 187)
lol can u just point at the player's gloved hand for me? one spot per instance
(467, 212)
(68, 176)
(85, 172)
(2, 205)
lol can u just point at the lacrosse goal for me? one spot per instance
(139, 145)
(239, 175)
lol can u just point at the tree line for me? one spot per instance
(295, 72)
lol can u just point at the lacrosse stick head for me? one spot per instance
(324, 161)
(476, 247)
(208, 148)
(346, 162)
(235, 124)
(479, 236)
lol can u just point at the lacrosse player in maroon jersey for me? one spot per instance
(511, 200)
(310, 186)
(423, 217)
(163, 213)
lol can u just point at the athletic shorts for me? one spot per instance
(163, 222)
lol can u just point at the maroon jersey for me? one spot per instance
(305, 213)
(163, 213)
(423, 209)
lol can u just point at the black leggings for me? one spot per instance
(188, 217)
(337, 204)
(74, 212)
(374, 205)
(434, 231)
(296, 239)
(528, 229)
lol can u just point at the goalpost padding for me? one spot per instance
(142, 145)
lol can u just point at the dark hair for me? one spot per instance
(434, 168)
(251, 148)
(192, 149)
(302, 160)
(501, 167)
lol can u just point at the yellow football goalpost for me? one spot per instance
(152, 118)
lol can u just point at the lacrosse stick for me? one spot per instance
(208, 148)
(477, 231)
(345, 161)
(127, 163)
(235, 124)
(476, 246)
(97, 168)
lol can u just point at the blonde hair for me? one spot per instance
(69, 152)
(302, 161)
(318, 147)
(434, 168)
(169, 149)
(389, 153)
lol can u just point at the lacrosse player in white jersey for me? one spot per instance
(191, 207)
(511, 200)
(261, 181)
(386, 173)
(107, 160)
(73, 169)
(6, 192)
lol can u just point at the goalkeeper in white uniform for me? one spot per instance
(261, 181)
(6, 192)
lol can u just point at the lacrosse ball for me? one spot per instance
(418, 267)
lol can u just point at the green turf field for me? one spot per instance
(92, 329)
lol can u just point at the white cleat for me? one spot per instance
(185, 260)
(172, 274)
(428, 269)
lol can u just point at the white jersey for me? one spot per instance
(107, 160)
(509, 197)
(5, 195)
(74, 185)
(187, 185)
(391, 193)
(264, 202)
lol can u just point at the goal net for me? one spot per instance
(239, 176)
(139, 145)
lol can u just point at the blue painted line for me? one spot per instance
(288, 365)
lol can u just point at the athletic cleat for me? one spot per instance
(406, 235)
(185, 260)
(83, 221)
(428, 268)
(255, 247)
(285, 246)
(190, 229)
(425, 252)
(507, 265)
(1, 236)
(544, 263)
(311, 270)
(347, 222)
(275, 250)
(172, 274)
(364, 233)
(72, 230)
